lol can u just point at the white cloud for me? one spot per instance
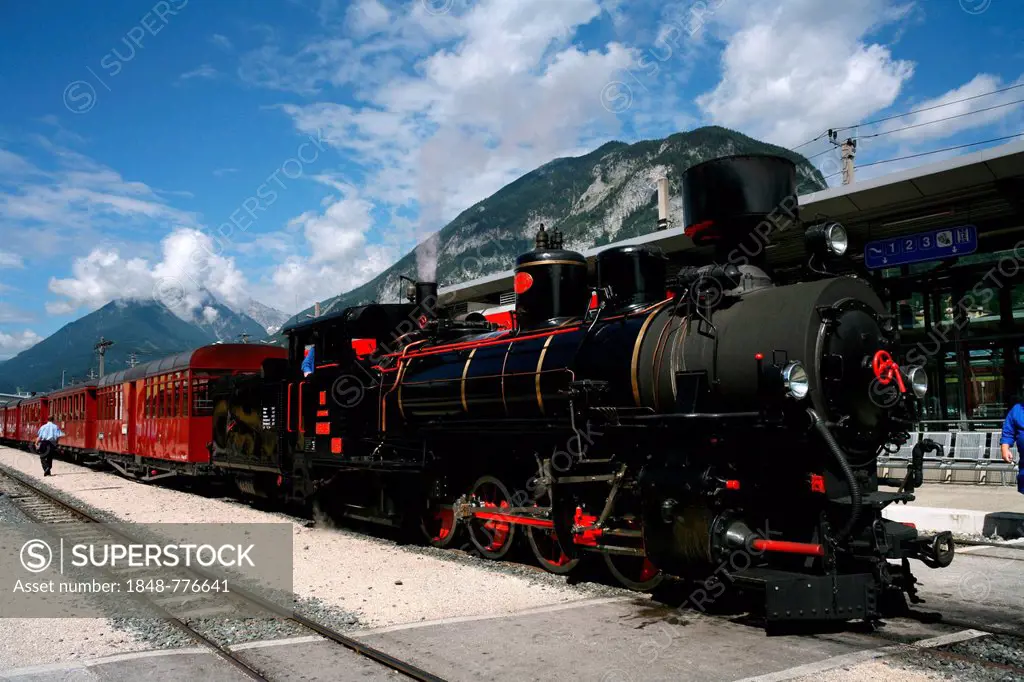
(204, 71)
(341, 256)
(15, 342)
(939, 121)
(366, 17)
(10, 314)
(793, 68)
(10, 260)
(510, 93)
(74, 201)
(222, 41)
(221, 172)
(189, 266)
(12, 164)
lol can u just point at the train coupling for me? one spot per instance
(934, 551)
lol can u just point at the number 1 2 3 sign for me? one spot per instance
(946, 242)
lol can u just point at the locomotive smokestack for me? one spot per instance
(734, 202)
(426, 299)
(662, 203)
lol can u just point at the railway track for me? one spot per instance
(42, 507)
(969, 649)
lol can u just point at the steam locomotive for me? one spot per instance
(713, 424)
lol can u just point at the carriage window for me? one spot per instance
(202, 405)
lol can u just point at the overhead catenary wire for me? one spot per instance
(940, 120)
(925, 123)
(934, 151)
(917, 111)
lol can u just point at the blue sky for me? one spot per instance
(287, 150)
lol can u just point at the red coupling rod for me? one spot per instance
(511, 518)
(788, 547)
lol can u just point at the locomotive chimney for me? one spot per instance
(662, 203)
(426, 299)
(734, 202)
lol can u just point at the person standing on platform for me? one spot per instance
(1013, 434)
(46, 441)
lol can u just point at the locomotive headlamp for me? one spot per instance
(794, 378)
(918, 381)
(827, 239)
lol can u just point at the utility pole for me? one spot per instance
(132, 359)
(62, 373)
(92, 372)
(316, 309)
(101, 348)
(848, 151)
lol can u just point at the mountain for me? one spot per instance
(143, 327)
(605, 196)
(271, 319)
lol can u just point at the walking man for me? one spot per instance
(46, 441)
(1013, 434)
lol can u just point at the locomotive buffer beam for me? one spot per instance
(792, 596)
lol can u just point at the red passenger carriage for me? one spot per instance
(32, 413)
(9, 421)
(157, 419)
(74, 410)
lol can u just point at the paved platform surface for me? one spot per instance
(987, 498)
(965, 509)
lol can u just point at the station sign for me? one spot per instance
(945, 242)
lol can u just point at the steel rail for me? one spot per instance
(376, 655)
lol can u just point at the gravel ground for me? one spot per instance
(343, 577)
(877, 671)
(30, 641)
(33, 641)
(945, 668)
(9, 513)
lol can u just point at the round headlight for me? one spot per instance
(794, 378)
(836, 239)
(918, 381)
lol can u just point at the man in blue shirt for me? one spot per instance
(309, 362)
(46, 441)
(1013, 434)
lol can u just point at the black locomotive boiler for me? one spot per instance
(713, 424)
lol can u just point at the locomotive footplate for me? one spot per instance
(792, 596)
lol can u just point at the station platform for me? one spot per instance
(982, 510)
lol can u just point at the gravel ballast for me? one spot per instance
(342, 578)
